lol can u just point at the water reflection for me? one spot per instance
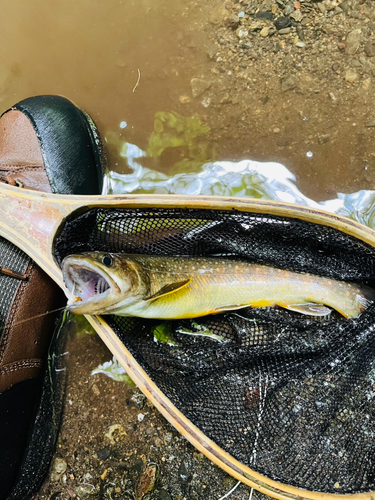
(266, 180)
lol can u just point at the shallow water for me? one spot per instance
(128, 61)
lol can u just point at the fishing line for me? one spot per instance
(34, 317)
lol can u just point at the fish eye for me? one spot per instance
(107, 260)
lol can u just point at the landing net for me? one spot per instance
(292, 397)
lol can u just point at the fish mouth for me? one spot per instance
(87, 284)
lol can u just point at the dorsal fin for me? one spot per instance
(170, 288)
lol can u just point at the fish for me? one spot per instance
(162, 287)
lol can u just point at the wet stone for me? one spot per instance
(198, 86)
(284, 31)
(288, 83)
(353, 41)
(85, 492)
(58, 468)
(138, 465)
(351, 75)
(232, 21)
(369, 49)
(104, 453)
(264, 32)
(282, 23)
(164, 495)
(265, 15)
(183, 472)
(146, 482)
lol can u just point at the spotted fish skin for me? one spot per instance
(187, 287)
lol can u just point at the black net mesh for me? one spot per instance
(291, 396)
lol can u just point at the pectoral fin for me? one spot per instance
(310, 309)
(167, 289)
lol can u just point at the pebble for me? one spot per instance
(297, 16)
(282, 23)
(369, 49)
(198, 86)
(164, 495)
(58, 468)
(264, 32)
(366, 83)
(353, 41)
(104, 453)
(242, 32)
(265, 15)
(84, 491)
(184, 99)
(288, 83)
(146, 482)
(351, 75)
(284, 31)
(300, 44)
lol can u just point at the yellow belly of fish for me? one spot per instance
(212, 294)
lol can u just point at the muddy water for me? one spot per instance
(95, 54)
(91, 52)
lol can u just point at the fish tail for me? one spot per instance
(365, 298)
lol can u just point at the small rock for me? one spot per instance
(140, 417)
(288, 83)
(206, 101)
(289, 9)
(198, 86)
(300, 44)
(183, 472)
(146, 482)
(115, 432)
(58, 468)
(264, 32)
(264, 15)
(300, 32)
(341, 45)
(184, 99)
(104, 453)
(232, 21)
(366, 83)
(276, 130)
(370, 123)
(84, 492)
(255, 26)
(369, 49)
(242, 32)
(322, 8)
(353, 41)
(336, 67)
(282, 22)
(297, 16)
(164, 495)
(351, 75)
(284, 31)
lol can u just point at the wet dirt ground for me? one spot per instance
(300, 92)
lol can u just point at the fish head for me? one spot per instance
(102, 282)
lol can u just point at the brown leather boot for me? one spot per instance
(46, 144)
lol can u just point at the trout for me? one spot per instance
(188, 287)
